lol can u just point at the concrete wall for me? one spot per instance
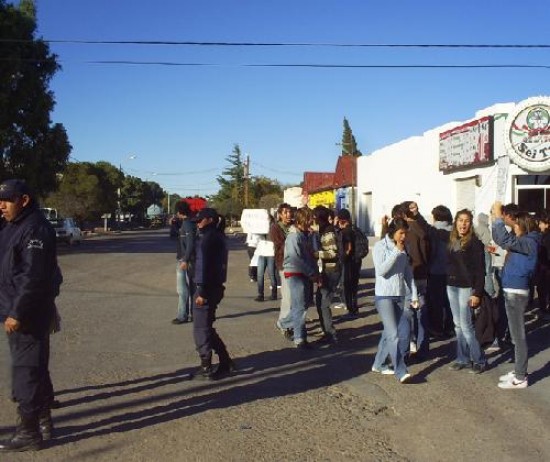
(409, 170)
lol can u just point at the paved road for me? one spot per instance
(121, 371)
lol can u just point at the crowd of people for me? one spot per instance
(477, 280)
(437, 280)
(433, 281)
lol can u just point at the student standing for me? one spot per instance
(519, 268)
(465, 285)
(393, 285)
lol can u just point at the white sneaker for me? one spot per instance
(384, 370)
(513, 384)
(405, 378)
(339, 306)
(506, 377)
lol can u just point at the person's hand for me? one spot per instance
(200, 301)
(415, 305)
(474, 301)
(385, 219)
(11, 325)
(400, 245)
(183, 266)
(496, 210)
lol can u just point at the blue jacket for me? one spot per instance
(521, 260)
(393, 270)
(29, 274)
(298, 257)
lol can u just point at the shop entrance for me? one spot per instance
(532, 192)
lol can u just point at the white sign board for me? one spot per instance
(255, 221)
(502, 178)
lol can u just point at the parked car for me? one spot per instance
(67, 231)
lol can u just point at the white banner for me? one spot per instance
(255, 221)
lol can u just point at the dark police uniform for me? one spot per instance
(29, 283)
(210, 276)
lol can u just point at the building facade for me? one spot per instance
(503, 153)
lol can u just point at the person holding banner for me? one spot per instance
(265, 252)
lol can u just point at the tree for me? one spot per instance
(79, 193)
(30, 146)
(231, 181)
(349, 146)
(261, 187)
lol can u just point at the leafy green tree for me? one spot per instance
(349, 146)
(31, 147)
(174, 198)
(260, 187)
(270, 201)
(79, 194)
(132, 197)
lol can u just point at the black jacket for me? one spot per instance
(211, 260)
(467, 267)
(29, 274)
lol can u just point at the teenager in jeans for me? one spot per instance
(299, 266)
(519, 268)
(393, 284)
(465, 285)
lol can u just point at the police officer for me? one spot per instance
(210, 276)
(29, 282)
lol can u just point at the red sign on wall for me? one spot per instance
(467, 146)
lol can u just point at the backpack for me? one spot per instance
(360, 244)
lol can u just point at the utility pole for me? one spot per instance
(246, 175)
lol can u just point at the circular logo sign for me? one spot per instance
(527, 134)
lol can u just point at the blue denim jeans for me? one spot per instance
(390, 310)
(515, 309)
(467, 346)
(413, 325)
(296, 319)
(269, 264)
(184, 287)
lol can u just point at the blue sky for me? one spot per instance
(179, 123)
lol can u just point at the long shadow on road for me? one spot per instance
(142, 402)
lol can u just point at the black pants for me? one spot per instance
(31, 384)
(206, 337)
(440, 318)
(351, 272)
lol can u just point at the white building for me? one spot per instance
(502, 153)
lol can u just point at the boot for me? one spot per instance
(45, 424)
(26, 436)
(225, 367)
(274, 293)
(205, 370)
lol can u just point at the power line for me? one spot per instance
(283, 44)
(326, 66)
